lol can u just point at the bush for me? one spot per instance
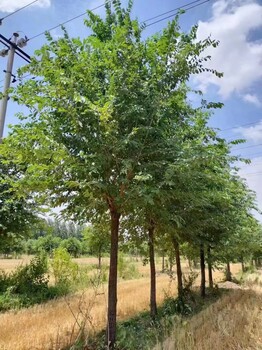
(126, 269)
(64, 269)
(73, 246)
(27, 285)
(31, 278)
(4, 281)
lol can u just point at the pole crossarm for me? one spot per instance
(9, 43)
(12, 50)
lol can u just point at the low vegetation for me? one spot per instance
(110, 136)
(233, 322)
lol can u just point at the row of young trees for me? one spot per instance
(112, 137)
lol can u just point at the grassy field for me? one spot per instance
(56, 323)
(233, 322)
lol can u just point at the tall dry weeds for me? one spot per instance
(232, 323)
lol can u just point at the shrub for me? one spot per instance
(4, 281)
(31, 278)
(64, 269)
(126, 269)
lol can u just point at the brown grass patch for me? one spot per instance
(232, 323)
(55, 324)
(50, 326)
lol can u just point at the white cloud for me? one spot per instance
(238, 58)
(13, 5)
(252, 99)
(251, 133)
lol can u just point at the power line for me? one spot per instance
(21, 8)
(165, 13)
(260, 144)
(251, 174)
(185, 7)
(254, 154)
(182, 7)
(69, 20)
(239, 126)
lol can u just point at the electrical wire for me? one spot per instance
(69, 20)
(21, 8)
(180, 8)
(239, 126)
(173, 10)
(184, 7)
(237, 149)
(251, 174)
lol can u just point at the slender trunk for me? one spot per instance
(163, 262)
(209, 262)
(195, 263)
(228, 273)
(99, 260)
(203, 275)
(190, 264)
(112, 283)
(178, 268)
(153, 307)
(242, 264)
(170, 264)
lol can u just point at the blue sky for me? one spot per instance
(236, 23)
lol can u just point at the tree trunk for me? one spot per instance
(99, 260)
(228, 272)
(112, 282)
(242, 265)
(190, 264)
(195, 263)
(203, 275)
(163, 262)
(209, 262)
(178, 268)
(153, 307)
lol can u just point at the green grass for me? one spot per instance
(142, 333)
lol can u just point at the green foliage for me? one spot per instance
(26, 286)
(4, 281)
(141, 333)
(64, 269)
(73, 246)
(17, 212)
(126, 269)
(31, 278)
(110, 134)
(189, 280)
(47, 244)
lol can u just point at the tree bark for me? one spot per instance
(99, 260)
(112, 282)
(202, 268)
(153, 307)
(242, 265)
(163, 262)
(178, 268)
(228, 273)
(210, 272)
(195, 263)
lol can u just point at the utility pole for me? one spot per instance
(12, 49)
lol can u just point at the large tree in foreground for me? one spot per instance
(103, 115)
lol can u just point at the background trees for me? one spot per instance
(110, 133)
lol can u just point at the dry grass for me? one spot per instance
(9, 265)
(56, 323)
(233, 323)
(50, 326)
